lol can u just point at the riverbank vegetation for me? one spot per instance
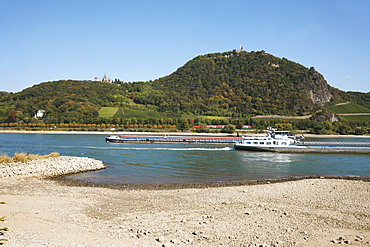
(341, 127)
(23, 157)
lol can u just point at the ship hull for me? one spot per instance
(304, 149)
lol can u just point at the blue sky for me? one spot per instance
(142, 40)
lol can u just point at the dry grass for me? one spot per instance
(53, 155)
(5, 159)
(23, 157)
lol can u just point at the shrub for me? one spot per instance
(23, 157)
(53, 155)
(20, 157)
(33, 157)
(5, 159)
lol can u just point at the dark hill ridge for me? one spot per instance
(220, 84)
(239, 83)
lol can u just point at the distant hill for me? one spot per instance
(229, 84)
(63, 100)
(238, 83)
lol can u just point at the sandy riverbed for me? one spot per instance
(311, 212)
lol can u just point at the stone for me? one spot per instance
(160, 239)
(359, 237)
(175, 241)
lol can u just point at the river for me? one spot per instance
(143, 163)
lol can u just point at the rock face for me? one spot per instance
(50, 167)
(317, 88)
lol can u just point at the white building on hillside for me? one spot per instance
(39, 114)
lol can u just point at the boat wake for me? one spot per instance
(268, 157)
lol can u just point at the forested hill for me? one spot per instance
(238, 82)
(63, 100)
(230, 84)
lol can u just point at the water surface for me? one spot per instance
(154, 163)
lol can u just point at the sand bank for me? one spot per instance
(311, 212)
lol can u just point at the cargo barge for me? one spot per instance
(276, 141)
(172, 139)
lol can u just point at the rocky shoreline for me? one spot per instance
(49, 167)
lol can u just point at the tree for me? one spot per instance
(12, 117)
(228, 129)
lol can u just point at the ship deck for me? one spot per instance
(175, 139)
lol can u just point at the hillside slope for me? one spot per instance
(239, 83)
(63, 100)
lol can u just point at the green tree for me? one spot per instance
(228, 129)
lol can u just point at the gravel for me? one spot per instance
(308, 212)
(49, 167)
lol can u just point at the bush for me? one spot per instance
(53, 155)
(33, 157)
(23, 157)
(228, 129)
(5, 159)
(20, 157)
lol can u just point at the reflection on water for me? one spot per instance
(269, 157)
(182, 163)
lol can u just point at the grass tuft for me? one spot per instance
(32, 157)
(53, 155)
(23, 157)
(5, 159)
(20, 157)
